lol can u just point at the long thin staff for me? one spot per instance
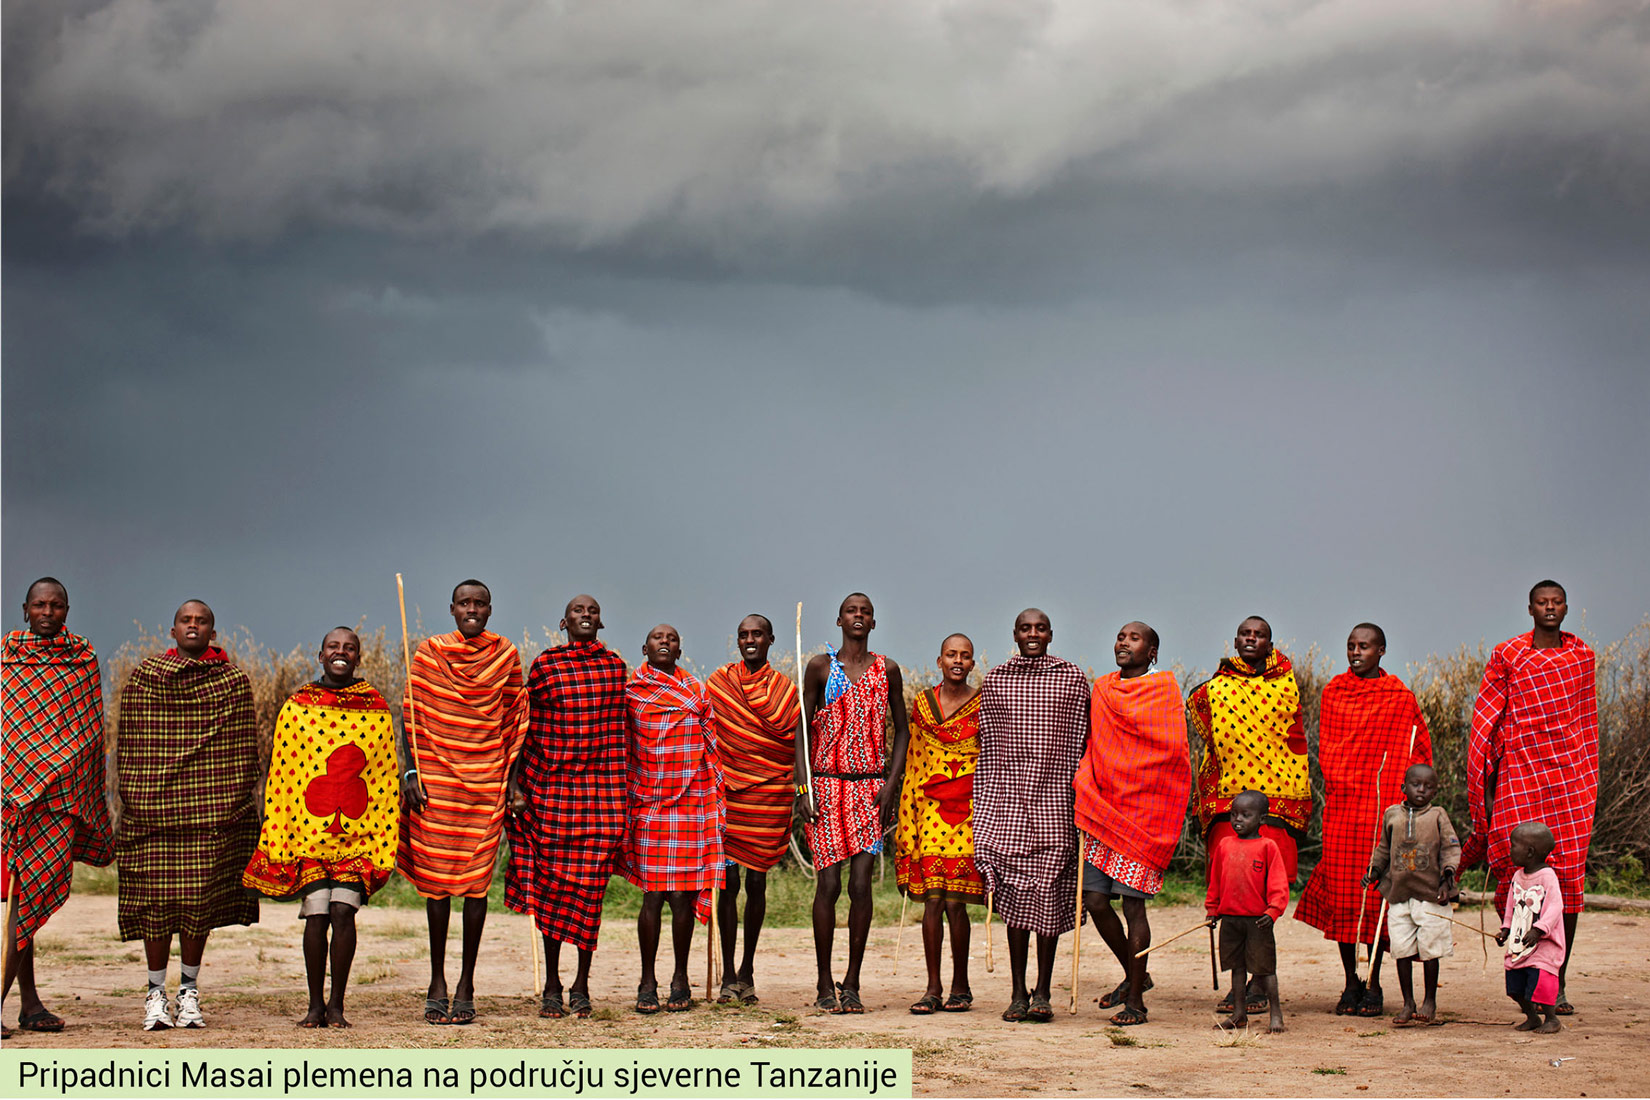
(899, 940)
(710, 957)
(11, 920)
(1214, 960)
(1176, 936)
(990, 961)
(1470, 928)
(533, 941)
(1380, 917)
(1077, 938)
(801, 698)
(406, 657)
(1363, 891)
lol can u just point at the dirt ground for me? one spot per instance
(253, 990)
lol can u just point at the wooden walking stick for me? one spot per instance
(406, 657)
(1369, 974)
(533, 942)
(1077, 936)
(1363, 891)
(710, 959)
(990, 962)
(1208, 923)
(802, 707)
(899, 940)
(11, 920)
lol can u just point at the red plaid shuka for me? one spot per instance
(848, 741)
(1136, 774)
(756, 718)
(674, 838)
(1535, 728)
(187, 755)
(564, 846)
(1359, 722)
(1034, 721)
(51, 715)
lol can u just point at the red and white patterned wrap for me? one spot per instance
(849, 736)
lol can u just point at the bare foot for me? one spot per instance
(1405, 1014)
(335, 1018)
(1234, 1022)
(1277, 1025)
(315, 1017)
(1429, 1008)
(1526, 1025)
(1549, 1027)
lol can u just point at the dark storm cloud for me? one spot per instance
(837, 143)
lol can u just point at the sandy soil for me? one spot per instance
(253, 991)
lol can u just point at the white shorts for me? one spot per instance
(319, 898)
(1418, 927)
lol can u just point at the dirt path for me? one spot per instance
(253, 986)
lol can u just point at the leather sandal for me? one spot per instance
(959, 1002)
(550, 1006)
(435, 1010)
(1040, 1011)
(647, 999)
(579, 1004)
(1016, 1010)
(927, 1006)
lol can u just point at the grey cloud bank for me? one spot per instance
(1170, 311)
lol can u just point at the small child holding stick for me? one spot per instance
(1248, 892)
(1416, 863)
(1532, 928)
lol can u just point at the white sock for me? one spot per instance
(157, 978)
(190, 973)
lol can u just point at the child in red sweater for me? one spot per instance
(1248, 891)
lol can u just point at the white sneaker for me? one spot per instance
(155, 1016)
(189, 1008)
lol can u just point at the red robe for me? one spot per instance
(1359, 722)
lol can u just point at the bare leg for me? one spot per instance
(1240, 1008)
(1550, 1025)
(1019, 950)
(827, 888)
(581, 980)
(1429, 975)
(1375, 952)
(157, 951)
(1270, 982)
(437, 913)
(1140, 938)
(315, 970)
(1349, 966)
(1406, 985)
(342, 919)
(727, 922)
(1569, 946)
(27, 992)
(756, 911)
(956, 912)
(552, 966)
(681, 935)
(859, 915)
(933, 939)
(190, 949)
(1098, 906)
(647, 933)
(475, 919)
(1046, 947)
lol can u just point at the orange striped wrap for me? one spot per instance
(756, 715)
(468, 705)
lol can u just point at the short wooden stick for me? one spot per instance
(1470, 928)
(1176, 936)
(1214, 959)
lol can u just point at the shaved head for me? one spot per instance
(213, 619)
(1031, 614)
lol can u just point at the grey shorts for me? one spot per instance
(323, 895)
(1096, 881)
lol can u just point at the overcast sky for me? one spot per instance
(1176, 311)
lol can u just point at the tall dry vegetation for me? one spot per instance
(1445, 685)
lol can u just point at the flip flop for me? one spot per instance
(958, 1002)
(435, 1010)
(647, 1000)
(848, 1002)
(747, 992)
(464, 1012)
(41, 1019)
(1128, 1017)
(550, 1006)
(929, 1005)
(728, 994)
(1040, 1012)
(681, 999)
(579, 1004)
(1017, 1009)
(826, 1002)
